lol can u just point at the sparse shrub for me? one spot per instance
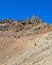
(35, 44)
(18, 36)
(14, 36)
(8, 20)
(44, 26)
(30, 22)
(23, 22)
(16, 30)
(0, 21)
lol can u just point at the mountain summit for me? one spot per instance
(25, 42)
(22, 25)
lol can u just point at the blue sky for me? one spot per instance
(19, 9)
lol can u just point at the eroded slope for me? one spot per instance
(25, 42)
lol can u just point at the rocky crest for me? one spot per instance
(20, 25)
(25, 42)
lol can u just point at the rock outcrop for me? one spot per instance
(25, 42)
(20, 25)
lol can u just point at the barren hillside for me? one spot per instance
(25, 42)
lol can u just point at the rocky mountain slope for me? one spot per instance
(25, 42)
(22, 25)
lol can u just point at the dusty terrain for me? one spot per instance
(27, 42)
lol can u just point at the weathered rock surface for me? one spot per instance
(27, 42)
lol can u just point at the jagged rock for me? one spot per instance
(19, 25)
(25, 42)
(35, 20)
